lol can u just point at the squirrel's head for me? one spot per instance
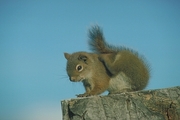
(78, 66)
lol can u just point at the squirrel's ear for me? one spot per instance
(82, 57)
(67, 55)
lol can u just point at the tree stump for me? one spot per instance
(161, 104)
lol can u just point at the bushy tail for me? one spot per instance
(99, 45)
(97, 42)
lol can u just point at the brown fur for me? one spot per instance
(116, 69)
(93, 75)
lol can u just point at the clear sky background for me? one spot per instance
(34, 35)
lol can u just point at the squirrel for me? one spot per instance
(111, 68)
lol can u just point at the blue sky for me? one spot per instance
(34, 35)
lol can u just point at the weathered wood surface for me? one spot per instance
(162, 104)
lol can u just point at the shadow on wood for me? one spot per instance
(161, 104)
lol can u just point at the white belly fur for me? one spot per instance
(119, 83)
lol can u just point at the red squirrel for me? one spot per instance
(115, 69)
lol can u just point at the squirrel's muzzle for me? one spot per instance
(72, 79)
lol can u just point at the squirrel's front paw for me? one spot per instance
(83, 95)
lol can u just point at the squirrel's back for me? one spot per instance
(120, 59)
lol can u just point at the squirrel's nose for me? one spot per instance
(72, 78)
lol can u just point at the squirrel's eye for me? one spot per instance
(79, 68)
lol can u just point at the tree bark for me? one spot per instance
(161, 104)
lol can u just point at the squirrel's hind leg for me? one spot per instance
(110, 61)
